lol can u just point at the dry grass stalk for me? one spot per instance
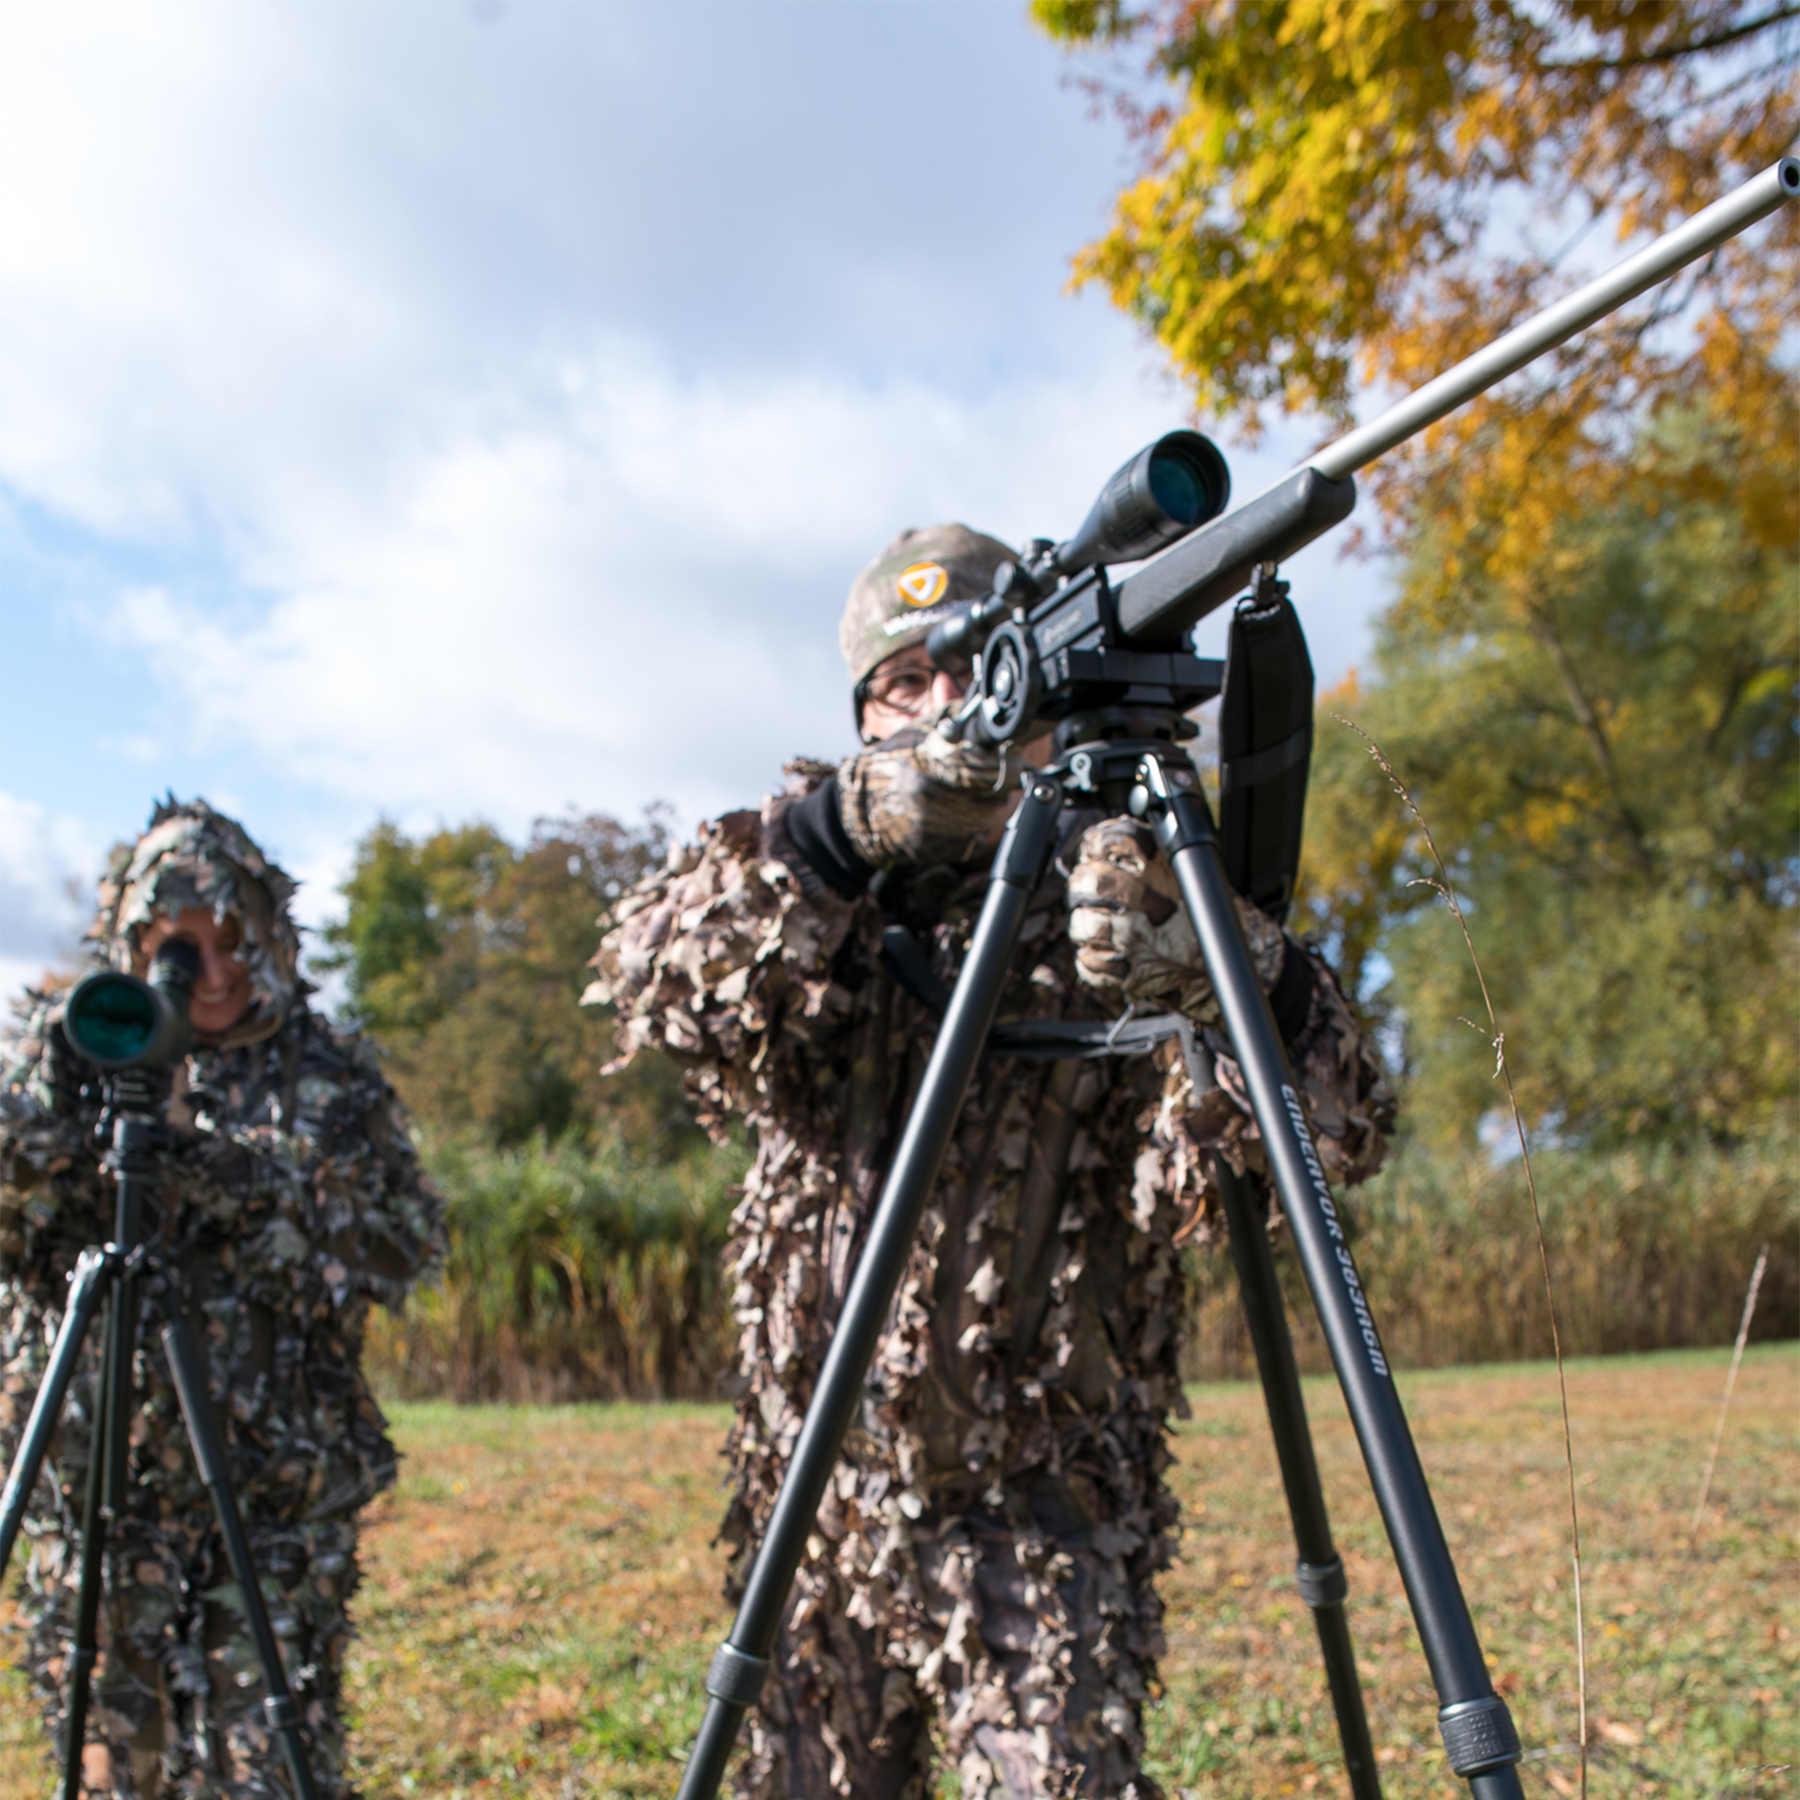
(1737, 1356)
(1447, 891)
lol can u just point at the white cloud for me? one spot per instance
(628, 590)
(262, 256)
(48, 865)
(490, 420)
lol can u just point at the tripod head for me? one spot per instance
(118, 1022)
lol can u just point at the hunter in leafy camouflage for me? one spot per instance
(288, 1198)
(982, 1580)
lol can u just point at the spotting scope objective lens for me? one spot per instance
(116, 1021)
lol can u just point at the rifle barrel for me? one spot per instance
(1706, 230)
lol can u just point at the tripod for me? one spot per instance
(1133, 762)
(135, 1104)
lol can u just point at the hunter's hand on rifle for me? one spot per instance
(1133, 941)
(919, 798)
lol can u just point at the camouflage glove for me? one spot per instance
(1131, 933)
(919, 798)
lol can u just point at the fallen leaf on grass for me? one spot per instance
(550, 1706)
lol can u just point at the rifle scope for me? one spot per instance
(117, 1021)
(1161, 494)
(1148, 503)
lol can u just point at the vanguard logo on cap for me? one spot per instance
(923, 583)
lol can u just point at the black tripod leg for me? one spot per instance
(105, 1497)
(84, 1295)
(737, 1671)
(1477, 1729)
(1320, 1571)
(187, 1363)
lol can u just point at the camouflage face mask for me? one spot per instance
(191, 856)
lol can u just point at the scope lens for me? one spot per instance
(1176, 487)
(111, 1020)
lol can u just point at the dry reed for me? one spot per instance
(1446, 889)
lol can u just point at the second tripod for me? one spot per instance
(116, 1268)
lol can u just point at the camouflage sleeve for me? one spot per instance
(1346, 1093)
(725, 951)
(1348, 1099)
(53, 1197)
(383, 1221)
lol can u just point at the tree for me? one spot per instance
(464, 956)
(1612, 771)
(1588, 672)
(1340, 195)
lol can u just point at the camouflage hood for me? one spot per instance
(191, 856)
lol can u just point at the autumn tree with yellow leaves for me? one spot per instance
(1635, 912)
(1588, 671)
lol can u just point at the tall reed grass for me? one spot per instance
(574, 1274)
(579, 1274)
(1651, 1248)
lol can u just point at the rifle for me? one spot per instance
(1051, 613)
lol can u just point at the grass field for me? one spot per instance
(541, 1597)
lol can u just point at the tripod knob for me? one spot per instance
(1011, 681)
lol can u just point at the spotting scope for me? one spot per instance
(119, 1021)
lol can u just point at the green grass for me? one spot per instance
(542, 1592)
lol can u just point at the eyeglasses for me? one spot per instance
(904, 689)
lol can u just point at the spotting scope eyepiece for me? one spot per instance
(117, 1021)
(1160, 495)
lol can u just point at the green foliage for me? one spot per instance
(574, 1273)
(1588, 679)
(587, 1213)
(1609, 768)
(594, 1274)
(464, 957)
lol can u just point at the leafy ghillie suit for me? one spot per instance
(984, 1567)
(286, 1199)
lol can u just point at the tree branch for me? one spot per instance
(1594, 730)
(1598, 65)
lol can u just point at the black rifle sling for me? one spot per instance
(1265, 747)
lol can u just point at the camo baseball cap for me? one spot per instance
(922, 578)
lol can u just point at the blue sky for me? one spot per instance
(442, 412)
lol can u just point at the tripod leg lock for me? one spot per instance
(1178, 814)
(736, 1677)
(282, 1711)
(1322, 1584)
(1478, 1734)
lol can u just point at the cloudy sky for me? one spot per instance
(442, 411)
